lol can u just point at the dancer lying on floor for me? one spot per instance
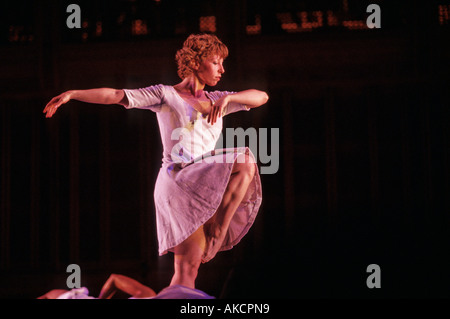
(130, 287)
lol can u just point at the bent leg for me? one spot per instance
(187, 259)
(126, 284)
(217, 227)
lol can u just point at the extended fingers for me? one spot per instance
(51, 107)
(49, 104)
(48, 109)
(213, 116)
(216, 111)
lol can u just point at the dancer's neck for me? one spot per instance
(191, 85)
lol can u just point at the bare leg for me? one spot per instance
(205, 242)
(217, 227)
(126, 284)
(187, 259)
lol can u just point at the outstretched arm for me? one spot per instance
(126, 284)
(98, 96)
(252, 98)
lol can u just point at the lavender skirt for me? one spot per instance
(188, 194)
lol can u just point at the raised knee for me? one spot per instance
(245, 165)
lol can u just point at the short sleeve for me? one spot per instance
(150, 98)
(231, 107)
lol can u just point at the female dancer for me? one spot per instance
(206, 200)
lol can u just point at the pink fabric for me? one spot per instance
(193, 176)
(180, 292)
(76, 293)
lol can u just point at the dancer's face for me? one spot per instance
(210, 70)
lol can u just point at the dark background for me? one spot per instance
(363, 114)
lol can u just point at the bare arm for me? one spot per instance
(98, 96)
(53, 294)
(252, 98)
(126, 284)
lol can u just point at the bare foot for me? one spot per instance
(214, 239)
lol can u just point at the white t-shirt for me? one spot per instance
(185, 132)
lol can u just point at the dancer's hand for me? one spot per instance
(217, 109)
(55, 103)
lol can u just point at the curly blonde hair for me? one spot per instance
(196, 48)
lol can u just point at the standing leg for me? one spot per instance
(217, 227)
(187, 259)
(206, 241)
